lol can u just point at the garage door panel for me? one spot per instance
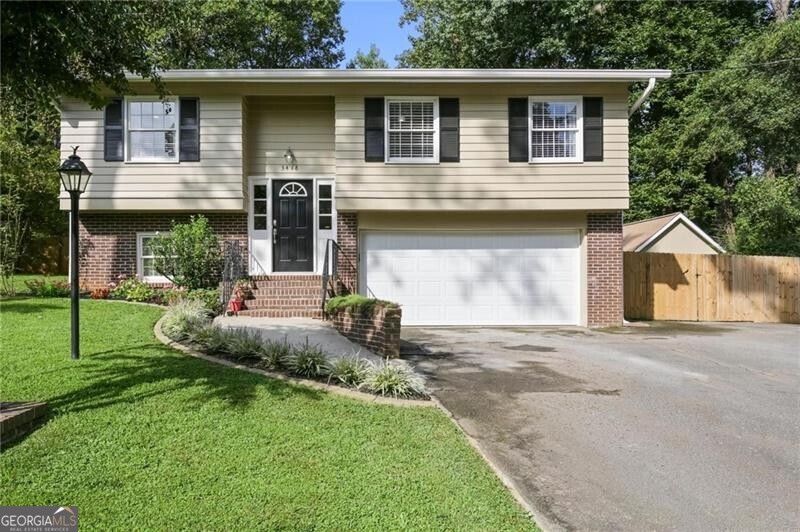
(476, 278)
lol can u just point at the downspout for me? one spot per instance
(651, 84)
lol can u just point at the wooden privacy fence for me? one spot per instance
(666, 286)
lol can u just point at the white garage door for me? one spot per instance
(476, 278)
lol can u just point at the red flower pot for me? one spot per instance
(235, 306)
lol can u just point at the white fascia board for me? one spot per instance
(690, 224)
(410, 75)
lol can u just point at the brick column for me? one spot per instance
(347, 237)
(604, 269)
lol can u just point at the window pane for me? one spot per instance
(146, 251)
(152, 145)
(410, 145)
(260, 191)
(410, 115)
(148, 268)
(325, 191)
(260, 207)
(325, 222)
(324, 207)
(554, 115)
(559, 144)
(260, 223)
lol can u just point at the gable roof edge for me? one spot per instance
(680, 217)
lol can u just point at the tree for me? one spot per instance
(768, 217)
(371, 59)
(251, 34)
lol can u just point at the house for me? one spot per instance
(471, 197)
(671, 233)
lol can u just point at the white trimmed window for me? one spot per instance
(145, 259)
(556, 125)
(151, 130)
(412, 130)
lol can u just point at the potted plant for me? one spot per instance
(242, 290)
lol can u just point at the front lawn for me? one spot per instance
(143, 437)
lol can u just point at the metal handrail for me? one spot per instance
(330, 272)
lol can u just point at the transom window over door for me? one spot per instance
(412, 130)
(555, 129)
(152, 129)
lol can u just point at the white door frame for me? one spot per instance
(265, 268)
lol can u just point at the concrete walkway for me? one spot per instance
(297, 330)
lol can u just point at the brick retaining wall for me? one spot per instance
(378, 331)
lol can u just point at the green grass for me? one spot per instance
(19, 281)
(144, 437)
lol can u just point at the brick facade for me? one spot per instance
(378, 331)
(347, 238)
(604, 269)
(108, 239)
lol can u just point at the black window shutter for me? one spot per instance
(518, 130)
(190, 129)
(592, 129)
(114, 132)
(373, 130)
(448, 130)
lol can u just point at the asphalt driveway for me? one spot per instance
(673, 426)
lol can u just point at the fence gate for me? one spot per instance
(665, 286)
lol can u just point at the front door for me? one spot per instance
(292, 226)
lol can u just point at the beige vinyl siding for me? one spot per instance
(304, 124)
(680, 239)
(484, 179)
(213, 183)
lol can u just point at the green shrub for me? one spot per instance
(356, 303)
(350, 371)
(276, 355)
(212, 339)
(244, 344)
(48, 287)
(184, 317)
(308, 361)
(133, 289)
(394, 378)
(189, 255)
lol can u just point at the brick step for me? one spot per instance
(283, 313)
(283, 292)
(284, 303)
(287, 278)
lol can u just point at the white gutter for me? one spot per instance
(410, 75)
(651, 84)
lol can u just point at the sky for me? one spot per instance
(374, 21)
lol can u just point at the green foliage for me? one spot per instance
(184, 317)
(308, 361)
(211, 339)
(48, 287)
(209, 297)
(356, 303)
(245, 344)
(276, 355)
(394, 378)
(190, 255)
(371, 59)
(349, 371)
(133, 289)
(251, 34)
(768, 219)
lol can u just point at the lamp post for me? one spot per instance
(74, 178)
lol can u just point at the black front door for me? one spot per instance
(293, 226)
